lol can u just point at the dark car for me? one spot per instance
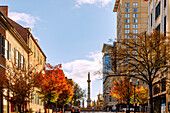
(75, 109)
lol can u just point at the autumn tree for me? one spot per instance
(141, 95)
(122, 90)
(66, 96)
(52, 85)
(78, 94)
(18, 83)
(145, 57)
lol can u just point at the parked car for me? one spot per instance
(126, 109)
(75, 109)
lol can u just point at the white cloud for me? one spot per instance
(78, 69)
(26, 19)
(100, 3)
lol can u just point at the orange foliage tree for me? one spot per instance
(122, 90)
(53, 84)
(142, 96)
(66, 96)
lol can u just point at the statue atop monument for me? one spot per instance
(88, 99)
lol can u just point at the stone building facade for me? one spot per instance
(159, 19)
(20, 46)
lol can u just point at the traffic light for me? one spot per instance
(75, 90)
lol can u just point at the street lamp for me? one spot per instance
(134, 92)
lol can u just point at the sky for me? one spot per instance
(70, 32)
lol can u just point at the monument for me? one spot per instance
(83, 103)
(88, 99)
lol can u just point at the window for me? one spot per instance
(163, 83)
(127, 26)
(135, 25)
(134, 52)
(127, 4)
(16, 57)
(6, 49)
(135, 9)
(165, 25)
(135, 31)
(37, 55)
(127, 15)
(127, 36)
(157, 10)
(135, 4)
(135, 15)
(22, 62)
(127, 10)
(40, 59)
(164, 3)
(9, 51)
(35, 98)
(127, 31)
(110, 98)
(151, 20)
(34, 52)
(30, 44)
(2, 45)
(19, 60)
(135, 36)
(135, 20)
(127, 21)
(156, 89)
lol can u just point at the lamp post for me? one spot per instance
(134, 93)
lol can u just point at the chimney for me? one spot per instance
(36, 40)
(29, 29)
(4, 10)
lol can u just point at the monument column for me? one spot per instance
(88, 99)
(83, 103)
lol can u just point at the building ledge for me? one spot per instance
(116, 5)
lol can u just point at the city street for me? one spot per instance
(84, 56)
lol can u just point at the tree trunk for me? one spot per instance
(150, 99)
(143, 108)
(49, 108)
(23, 107)
(63, 108)
(45, 108)
(19, 108)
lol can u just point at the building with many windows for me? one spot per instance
(159, 19)
(131, 17)
(109, 64)
(17, 45)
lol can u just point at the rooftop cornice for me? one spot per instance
(6, 24)
(116, 5)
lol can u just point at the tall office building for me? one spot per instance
(159, 19)
(132, 16)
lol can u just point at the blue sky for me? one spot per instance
(71, 32)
